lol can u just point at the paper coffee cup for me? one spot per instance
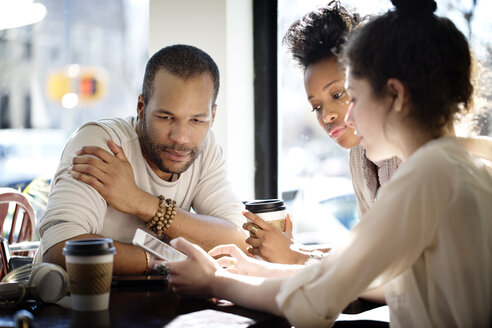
(90, 270)
(272, 211)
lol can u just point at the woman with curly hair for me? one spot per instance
(315, 41)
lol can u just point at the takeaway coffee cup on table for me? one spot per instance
(90, 270)
(272, 211)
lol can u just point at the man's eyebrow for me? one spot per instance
(325, 87)
(164, 111)
(167, 112)
(207, 114)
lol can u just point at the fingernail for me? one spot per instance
(77, 152)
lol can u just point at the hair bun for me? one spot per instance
(415, 7)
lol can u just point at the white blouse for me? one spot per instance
(428, 237)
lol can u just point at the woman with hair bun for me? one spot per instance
(428, 236)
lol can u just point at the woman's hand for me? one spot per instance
(200, 275)
(237, 262)
(270, 243)
(193, 276)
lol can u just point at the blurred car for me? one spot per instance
(27, 154)
(344, 208)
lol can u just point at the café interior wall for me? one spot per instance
(222, 28)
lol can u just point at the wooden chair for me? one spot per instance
(17, 222)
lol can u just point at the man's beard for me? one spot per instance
(154, 151)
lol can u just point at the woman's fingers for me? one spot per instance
(227, 262)
(195, 274)
(191, 250)
(254, 251)
(186, 247)
(255, 242)
(254, 230)
(257, 220)
(288, 226)
(229, 249)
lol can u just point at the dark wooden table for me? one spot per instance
(149, 303)
(143, 304)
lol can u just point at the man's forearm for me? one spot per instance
(206, 231)
(128, 260)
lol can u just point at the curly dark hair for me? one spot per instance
(320, 33)
(183, 61)
(426, 52)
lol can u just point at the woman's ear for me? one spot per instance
(399, 92)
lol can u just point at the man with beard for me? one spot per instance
(117, 175)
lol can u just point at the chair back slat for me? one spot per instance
(12, 225)
(18, 224)
(4, 210)
(4, 265)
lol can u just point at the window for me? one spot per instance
(83, 61)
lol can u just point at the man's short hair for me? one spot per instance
(183, 61)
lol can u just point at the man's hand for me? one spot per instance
(111, 175)
(270, 243)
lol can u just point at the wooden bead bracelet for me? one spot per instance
(163, 217)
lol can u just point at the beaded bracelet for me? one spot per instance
(163, 217)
